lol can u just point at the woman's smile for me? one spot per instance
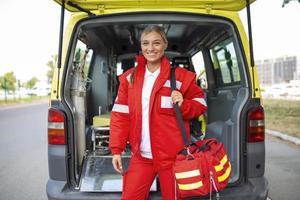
(153, 47)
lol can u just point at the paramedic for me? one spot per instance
(143, 116)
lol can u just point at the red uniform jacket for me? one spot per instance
(126, 115)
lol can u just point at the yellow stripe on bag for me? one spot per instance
(225, 175)
(190, 186)
(222, 163)
(187, 174)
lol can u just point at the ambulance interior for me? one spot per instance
(206, 45)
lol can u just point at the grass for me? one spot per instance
(17, 101)
(283, 116)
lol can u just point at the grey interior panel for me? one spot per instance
(226, 127)
(99, 89)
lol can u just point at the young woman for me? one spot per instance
(143, 115)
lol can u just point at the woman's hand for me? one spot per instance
(117, 163)
(177, 97)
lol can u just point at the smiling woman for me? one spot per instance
(151, 70)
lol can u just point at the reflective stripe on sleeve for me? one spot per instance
(120, 108)
(200, 100)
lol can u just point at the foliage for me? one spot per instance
(8, 81)
(31, 83)
(51, 66)
(288, 1)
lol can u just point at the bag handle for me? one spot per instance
(177, 109)
(206, 144)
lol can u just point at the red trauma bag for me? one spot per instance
(203, 169)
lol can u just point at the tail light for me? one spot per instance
(256, 124)
(56, 127)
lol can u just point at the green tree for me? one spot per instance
(52, 64)
(31, 83)
(288, 1)
(8, 82)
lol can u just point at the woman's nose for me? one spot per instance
(151, 47)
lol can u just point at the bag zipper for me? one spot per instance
(212, 183)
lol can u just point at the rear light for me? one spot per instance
(56, 127)
(256, 124)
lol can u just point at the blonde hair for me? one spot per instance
(147, 30)
(157, 29)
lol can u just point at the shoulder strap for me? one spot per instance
(177, 109)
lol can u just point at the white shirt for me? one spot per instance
(149, 79)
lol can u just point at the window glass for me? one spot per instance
(82, 60)
(119, 68)
(198, 63)
(224, 59)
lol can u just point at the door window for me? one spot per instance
(198, 63)
(82, 60)
(226, 69)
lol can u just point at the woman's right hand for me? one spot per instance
(117, 163)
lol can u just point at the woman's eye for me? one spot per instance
(145, 43)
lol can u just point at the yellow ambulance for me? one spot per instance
(100, 42)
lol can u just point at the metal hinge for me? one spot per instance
(101, 8)
(74, 5)
(208, 7)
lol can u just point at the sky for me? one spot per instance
(29, 33)
(29, 36)
(275, 30)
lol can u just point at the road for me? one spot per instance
(23, 153)
(24, 169)
(283, 169)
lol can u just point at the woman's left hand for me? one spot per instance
(177, 97)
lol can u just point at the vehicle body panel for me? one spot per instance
(248, 183)
(93, 5)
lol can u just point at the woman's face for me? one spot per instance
(153, 47)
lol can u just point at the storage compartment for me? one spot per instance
(100, 139)
(98, 174)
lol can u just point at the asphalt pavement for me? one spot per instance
(23, 152)
(282, 169)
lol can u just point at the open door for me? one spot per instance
(94, 5)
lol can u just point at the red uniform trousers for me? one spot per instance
(139, 177)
